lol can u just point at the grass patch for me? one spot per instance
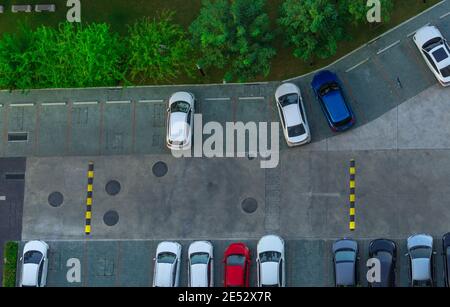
(10, 264)
(120, 13)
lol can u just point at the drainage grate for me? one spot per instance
(14, 176)
(249, 205)
(111, 218)
(55, 199)
(17, 136)
(160, 169)
(113, 187)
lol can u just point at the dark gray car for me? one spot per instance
(345, 259)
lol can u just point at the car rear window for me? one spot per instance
(446, 72)
(295, 131)
(440, 55)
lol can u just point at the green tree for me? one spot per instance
(234, 35)
(159, 50)
(17, 59)
(356, 10)
(313, 27)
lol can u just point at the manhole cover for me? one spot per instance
(113, 187)
(249, 205)
(160, 169)
(111, 218)
(55, 199)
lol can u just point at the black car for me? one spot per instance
(446, 253)
(386, 252)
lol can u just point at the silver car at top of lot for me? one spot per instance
(420, 252)
(292, 115)
(436, 52)
(34, 264)
(180, 117)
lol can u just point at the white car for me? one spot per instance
(292, 114)
(200, 272)
(270, 262)
(34, 264)
(434, 48)
(167, 265)
(180, 118)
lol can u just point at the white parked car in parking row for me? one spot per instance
(270, 262)
(434, 48)
(167, 265)
(201, 264)
(180, 118)
(292, 115)
(34, 262)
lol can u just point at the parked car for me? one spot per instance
(436, 52)
(237, 266)
(201, 264)
(386, 252)
(329, 92)
(167, 265)
(446, 254)
(270, 262)
(345, 260)
(34, 263)
(180, 118)
(292, 115)
(420, 252)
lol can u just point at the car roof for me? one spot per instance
(345, 273)
(30, 274)
(199, 275)
(420, 269)
(163, 276)
(292, 115)
(235, 275)
(336, 106)
(269, 273)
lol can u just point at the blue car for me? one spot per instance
(328, 89)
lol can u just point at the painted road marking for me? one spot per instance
(388, 47)
(119, 102)
(85, 102)
(90, 188)
(22, 104)
(151, 101)
(53, 104)
(352, 213)
(252, 98)
(357, 65)
(311, 194)
(445, 15)
(217, 99)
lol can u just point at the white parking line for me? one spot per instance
(119, 102)
(2, 198)
(21, 105)
(252, 98)
(412, 33)
(53, 104)
(445, 15)
(85, 102)
(388, 47)
(357, 65)
(217, 99)
(151, 101)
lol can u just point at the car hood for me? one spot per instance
(181, 96)
(201, 247)
(345, 244)
(270, 243)
(285, 89)
(178, 127)
(337, 108)
(322, 78)
(30, 274)
(269, 273)
(345, 274)
(199, 275)
(35, 246)
(420, 240)
(171, 247)
(421, 269)
(426, 33)
(235, 275)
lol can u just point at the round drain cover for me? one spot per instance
(160, 169)
(55, 199)
(113, 187)
(249, 205)
(111, 218)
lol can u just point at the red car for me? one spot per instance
(237, 265)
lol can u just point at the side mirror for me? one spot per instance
(407, 254)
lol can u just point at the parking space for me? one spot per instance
(85, 128)
(52, 130)
(117, 126)
(21, 136)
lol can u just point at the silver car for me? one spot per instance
(420, 252)
(345, 260)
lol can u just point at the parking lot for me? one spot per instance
(400, 144)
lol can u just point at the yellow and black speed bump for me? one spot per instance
(90, 188)
(352, 224)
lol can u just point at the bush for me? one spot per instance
(10, 264)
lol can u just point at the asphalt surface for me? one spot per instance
(12, 183)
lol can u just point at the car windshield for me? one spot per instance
(445, 72)
(32, 257)
(199, 258)
(296, 130)
(345, 256)
(329, 88)
(270, 257)
(180, 106)
(420, 252)
(236, 260)
(431, 44)
(167, 258)
(288, 100)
